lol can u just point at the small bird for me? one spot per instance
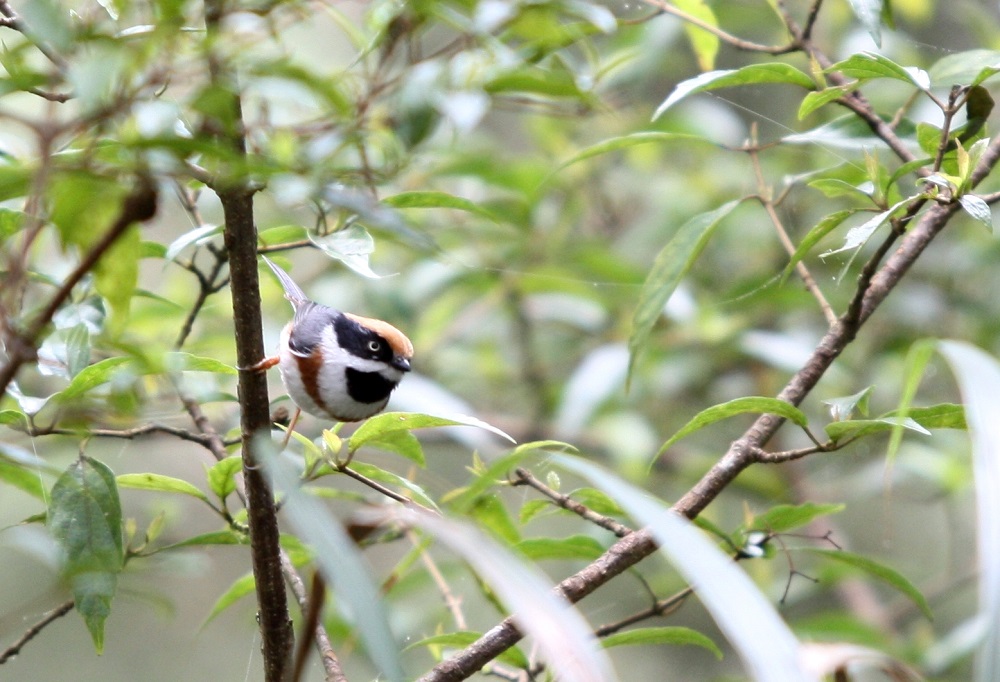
(337, 365)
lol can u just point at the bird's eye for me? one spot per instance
(374, 346)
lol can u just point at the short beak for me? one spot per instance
(401, 363)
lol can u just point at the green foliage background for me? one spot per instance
(488, 177)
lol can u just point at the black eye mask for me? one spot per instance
(357, 340)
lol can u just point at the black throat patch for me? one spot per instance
(368, 387)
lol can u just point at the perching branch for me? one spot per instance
(240, 236)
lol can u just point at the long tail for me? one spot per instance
(292, 291)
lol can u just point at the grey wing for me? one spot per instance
(292, 291)
(311, 320)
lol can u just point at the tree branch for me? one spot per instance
(32, 632)
(636, 546)
(240, 236)
(138, 206)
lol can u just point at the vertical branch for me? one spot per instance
(241, 244)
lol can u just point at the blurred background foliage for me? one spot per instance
(430, 159)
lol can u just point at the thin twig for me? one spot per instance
(128, 434)
(29, 634)
(525, 477)
(138, 206)
(764, 196)
(738, 43)
(663, 607)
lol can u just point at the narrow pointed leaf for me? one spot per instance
(855, 428)
(867, 65)
(388, 422)
(671, 265)
(92, 377)
(436, 200)
(889, 576)
(664, 635)
(754, 74)
(166, 484)
(704, 43)
(787, 517)
(814, 236)
(752, 404)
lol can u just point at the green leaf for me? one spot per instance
(859, 235)
(820, 98)
(669, 268)
(491, 515)
(240, 588)
(222, 475)
(573, 547)
(971, 67)
(462, 639)
(13, 418)
(177, 361)
(785, 517)
(388, 422)
(218, 537)
(598, 501)
(754, 74)
(166, 484)
(11, 222)
(842, 409)
(754, 404)
(856, 428)
(663, 635)
(199, 235)
(624, 142)
(532, 508)
(116, 275)
(704, 43)
(835, 187)
(402, 443)
(25, 479)
(815, 235)
(869, 13)
(282, 234)
(92, 377)
(943, 416)
(14, 181)
(85, 518)
(978, 209)
(437, 200)
(867, 66)
(535, 80)
(352, 246)
(497, 472)
(917, 359)
(879, 571)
